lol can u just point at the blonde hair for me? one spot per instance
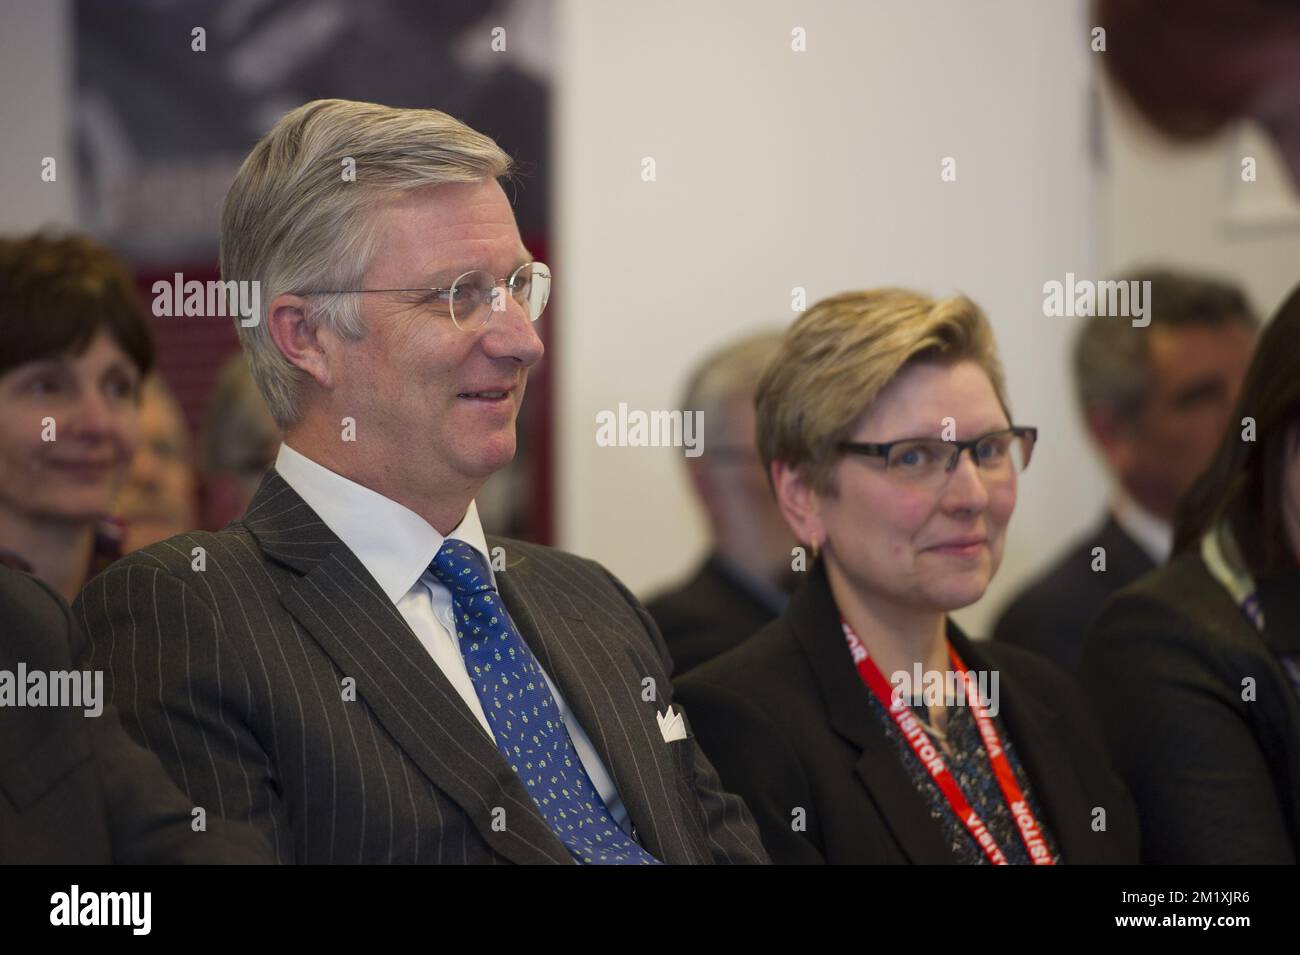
(842, 353)
(293, 222)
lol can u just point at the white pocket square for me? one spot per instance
(671, 725)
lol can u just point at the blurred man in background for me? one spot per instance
(746, 579)
(240, 439)
(160, 497)
(1155, 401)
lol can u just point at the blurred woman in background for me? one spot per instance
(75, 345)
(161, 495)
(1195, 669)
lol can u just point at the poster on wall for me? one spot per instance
(170, 97)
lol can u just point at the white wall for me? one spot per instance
(819, 169)
(1161, 201)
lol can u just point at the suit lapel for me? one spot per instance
(816, 624)
(604, 698)
(340, 605)
(1126, 561)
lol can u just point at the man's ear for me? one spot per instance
(798, 503)
(296, 337)
(702, 480)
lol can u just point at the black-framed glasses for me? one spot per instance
(998, 454)
(476, 294)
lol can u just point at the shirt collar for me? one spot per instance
(1153, 535)
(393, 543)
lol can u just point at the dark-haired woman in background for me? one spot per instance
(1195, 669)
(74, 346)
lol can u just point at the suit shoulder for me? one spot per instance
(767, 663)
(1031, 667)
(516, 549)
(1056, 591)
(525, 555)
(175, 558)
(177, 553)
(33, 614)
(1180, 598)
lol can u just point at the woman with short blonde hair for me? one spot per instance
(862, 725)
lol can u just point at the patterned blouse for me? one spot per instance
(970, 769)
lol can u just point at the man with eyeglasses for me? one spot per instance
(355, 668)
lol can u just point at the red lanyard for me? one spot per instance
(925, 751)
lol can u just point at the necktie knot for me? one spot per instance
(461, 568)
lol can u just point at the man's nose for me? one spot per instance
(511, 334)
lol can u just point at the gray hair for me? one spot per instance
(730, 372)
(293, 222)
(1110, 356)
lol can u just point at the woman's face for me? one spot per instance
(88, 405)
(930, 548)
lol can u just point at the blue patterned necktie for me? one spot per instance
(524, 716)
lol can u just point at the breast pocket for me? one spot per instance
(683, 755)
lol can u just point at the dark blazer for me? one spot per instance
(281, 687)
(75, 789)
(786, 719)
(1216, 778)
(707, 615)
(1051, 615)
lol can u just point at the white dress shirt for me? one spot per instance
(1150, 533)
(396, 546)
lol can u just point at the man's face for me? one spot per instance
(731, 483)
(435, 405)
(1196, 372)
(159, 497)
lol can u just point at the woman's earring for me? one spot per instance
(816, 548)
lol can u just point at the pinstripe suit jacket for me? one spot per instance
(239, 677)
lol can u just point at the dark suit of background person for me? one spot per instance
(254, 651)
(1154, 400)
(1214, 769)
(1216, 779)
(75, 789)
(712, 612)
(1052, 616)
(746, 579)
(787, 722)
